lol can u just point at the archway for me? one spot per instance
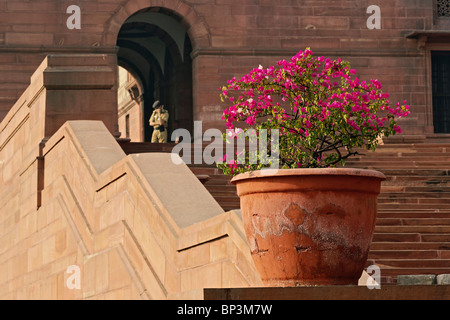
(155, 49)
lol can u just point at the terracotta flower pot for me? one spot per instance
(309, 226)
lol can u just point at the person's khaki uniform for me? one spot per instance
(158, 136)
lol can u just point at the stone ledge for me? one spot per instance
(387, 292)
(443, 279)
(423, 279)
(419, 279)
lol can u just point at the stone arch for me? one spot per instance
(194, 24)
(154, 42)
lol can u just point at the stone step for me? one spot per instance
(414, 195)
(396, 237)
(420, 246)
(213, 182)
(413, 213)
(405, 162)
(218, 180)
(415, 181)
(434, 229)
(413, 221)
(222, 193)
(407, 206)
(423, 180)
(414, 147)
(408, 219)
(227, 198)
(435, 237)
(414, 192)
(405, 148)
(404, 254)
(388, 187)
(422, 177)
(410, 237)
(441, 202)
(383, 151)
(219, 188)
(414, 154)
(423, 189)
(389, 274)
(413, 263)
(394, 164)
(206, 170)
(394, 256)
(415, 171)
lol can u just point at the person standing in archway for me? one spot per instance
(159, 121)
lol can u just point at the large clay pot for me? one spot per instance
(309, 226)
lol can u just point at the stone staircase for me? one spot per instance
(412, 235)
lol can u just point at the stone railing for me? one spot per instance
(81, 220)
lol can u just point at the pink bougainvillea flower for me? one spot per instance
(322, 111)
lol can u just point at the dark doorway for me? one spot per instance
(155, 46)
(440, 61)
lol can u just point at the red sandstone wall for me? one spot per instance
(229, 37)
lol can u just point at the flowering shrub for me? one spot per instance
(322, 112)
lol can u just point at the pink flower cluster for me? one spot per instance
(315, 98)
(305, 83)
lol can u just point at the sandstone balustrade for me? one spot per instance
(137, 226)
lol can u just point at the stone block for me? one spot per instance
(118, 273)
(422, 279)
(219, 249)
(28, 38)
(210, 276)
(326, 22)
(91, 135)
(443, 279)
(194, 257)
(177, 188)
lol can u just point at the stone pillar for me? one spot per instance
(78, 87)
